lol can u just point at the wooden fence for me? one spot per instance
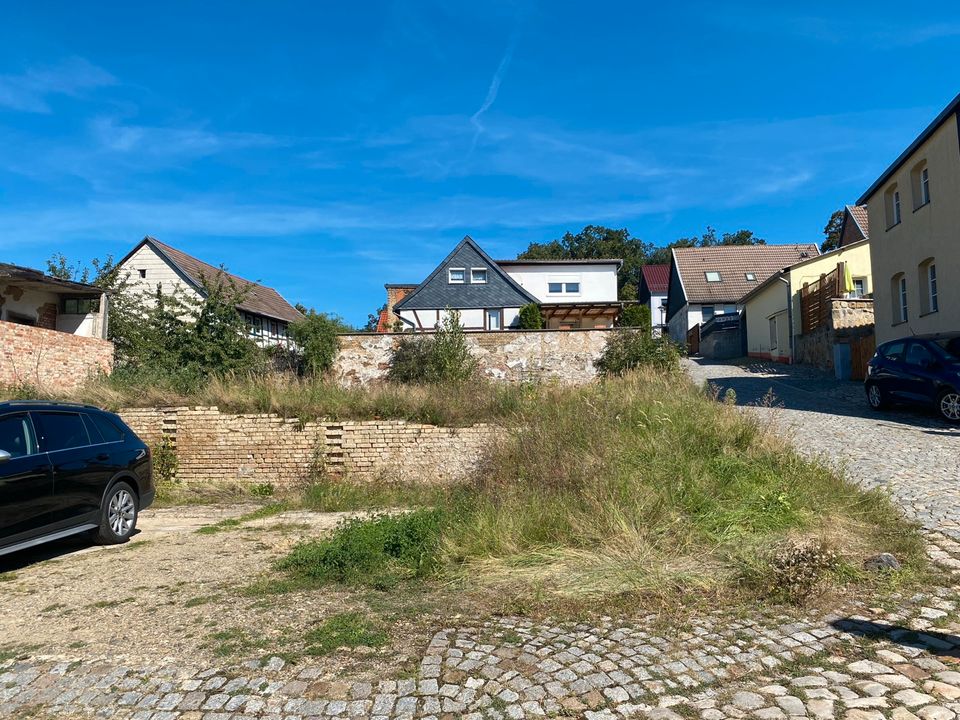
(693, 340)
(861, 350)
(815, 299)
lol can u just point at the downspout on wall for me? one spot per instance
(786, 281)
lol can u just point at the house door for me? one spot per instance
(494, 319)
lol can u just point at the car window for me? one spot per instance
(16, 435)
(105, 428)
(894, 351)
(61, 431)
(919, 355)
(950, 349)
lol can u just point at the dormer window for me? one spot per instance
(478, 276)
(712, 276)
(455, 276)
(751, 277)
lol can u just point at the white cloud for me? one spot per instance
(29, 92)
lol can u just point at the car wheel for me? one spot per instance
(118, 516)
(949, 405)
(876, 397)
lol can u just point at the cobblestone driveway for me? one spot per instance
(910, 453)
(858, 663)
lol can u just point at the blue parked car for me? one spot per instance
(921, 370)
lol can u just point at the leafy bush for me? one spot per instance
(636, 316)
(316, 336)
(631, 349)
(530, 317)
(443, 357)
(379, 551)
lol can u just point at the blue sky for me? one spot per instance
(327, 148)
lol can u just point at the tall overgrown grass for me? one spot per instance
(641, 484)
(304, 397)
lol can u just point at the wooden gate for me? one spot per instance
(693, 340)
(861, 350)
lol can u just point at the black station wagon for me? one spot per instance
(67, 469)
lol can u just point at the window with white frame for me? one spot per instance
(932, 286)
(712, 276)
(706, 312)
(891, 199)
(859, 287)
(478, 276)
(920, 184)
(456, 275)
(898, 291)
(927, 275)
(563, 285)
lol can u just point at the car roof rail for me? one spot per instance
(42, 403)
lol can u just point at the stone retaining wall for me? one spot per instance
(48, 359)
(215, 447)
(848, 318)
(510, 356)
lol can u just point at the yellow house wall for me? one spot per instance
(772, 300)
(857, 257)
(930, 231)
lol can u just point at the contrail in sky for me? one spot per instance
(494, 87)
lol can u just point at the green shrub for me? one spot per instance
(165, 465)
(631, 349)
(635, 316)
(530, 317)
(378, 551)
(442, 357)
(316, 336)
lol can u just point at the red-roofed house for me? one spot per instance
(654, 283)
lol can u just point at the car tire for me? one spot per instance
(948, 405)
(118, 516)
(876, 397)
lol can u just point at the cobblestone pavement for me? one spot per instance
(910, 453)
(860, 663)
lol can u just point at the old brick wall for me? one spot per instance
(213, 447)
(564, 355)
(48, 359)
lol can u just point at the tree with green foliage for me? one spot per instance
(831, 232)
(636, 316)
(709, 238)
(373, 319)
(530, 317)
(316, 338)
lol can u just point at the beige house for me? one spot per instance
(153, 264)
(773, 309)
(914, 211)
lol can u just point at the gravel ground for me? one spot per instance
(908, 452)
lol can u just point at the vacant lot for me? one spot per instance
(187, 586)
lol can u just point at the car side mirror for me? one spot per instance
(4, 456)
